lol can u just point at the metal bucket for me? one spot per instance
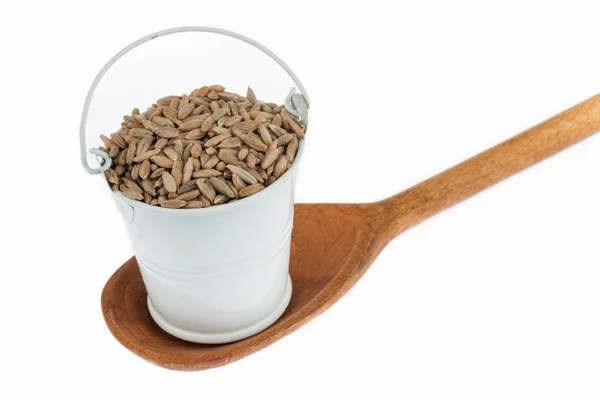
(218, 274)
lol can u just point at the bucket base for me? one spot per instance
(226, 337)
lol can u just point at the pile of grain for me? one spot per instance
(206, 148)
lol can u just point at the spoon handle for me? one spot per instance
(490, 167)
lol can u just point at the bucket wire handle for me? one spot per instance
(296, 104)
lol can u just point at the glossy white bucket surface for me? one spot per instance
(216, 274)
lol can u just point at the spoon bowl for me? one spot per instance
(328, 248)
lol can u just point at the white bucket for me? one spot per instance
(217, 274)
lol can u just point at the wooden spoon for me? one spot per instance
(334, 244)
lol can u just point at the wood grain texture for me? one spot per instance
(334, 244)
(490, 167)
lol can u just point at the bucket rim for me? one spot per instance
(220, 208)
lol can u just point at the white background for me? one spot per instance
(496, 298)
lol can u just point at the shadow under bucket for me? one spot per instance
(216, 274)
